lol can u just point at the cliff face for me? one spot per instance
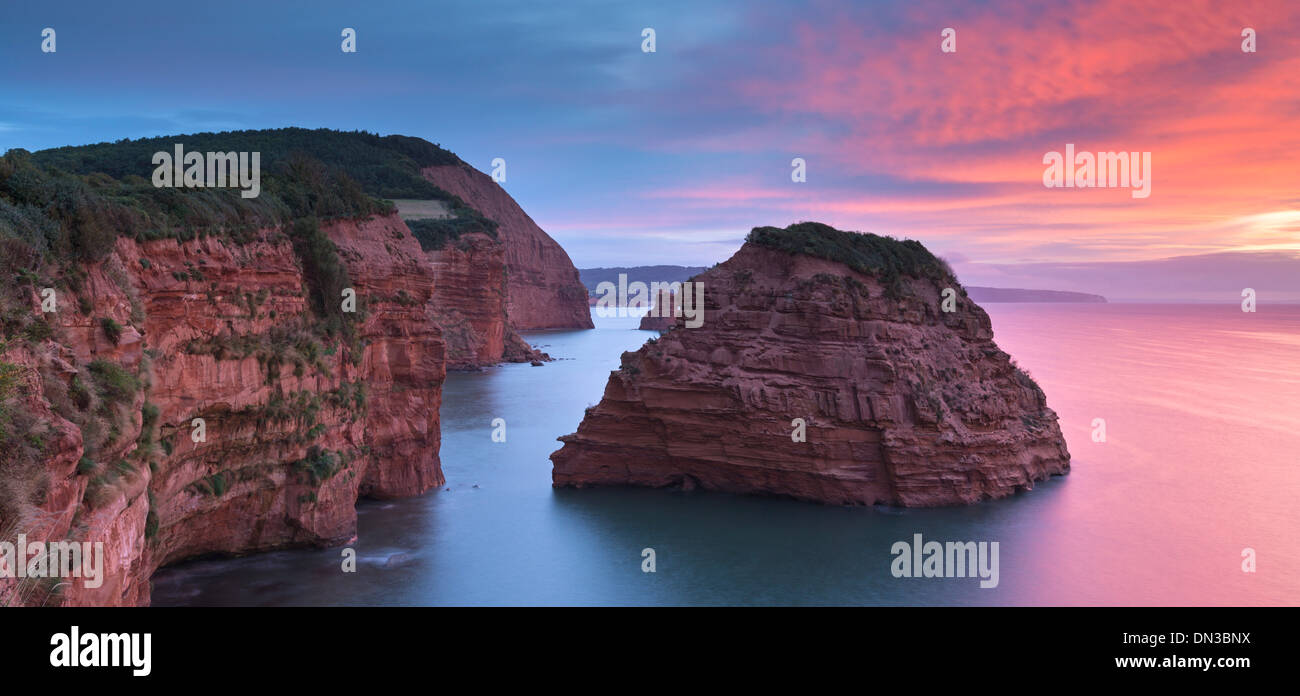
(226, 375)
(542, 286)
(903, 403)
(469, 301)
(403, 363)
(656, 323)
(661, 315)
(296, 424)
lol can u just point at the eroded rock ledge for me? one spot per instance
(904, 404)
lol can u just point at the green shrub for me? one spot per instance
(151, 522)
(434, 234)
(80, 395)
(319, 465)
(220, 484)
(122, 467)
(10, 379)
(215, 485)
(98, 490)
(38, 330)
(883, 257)
(149, 415)
(70, 204)
(112, 329)
(386, 167)
(10, 376)
(115, 384)
(148, 419)
(324, 272)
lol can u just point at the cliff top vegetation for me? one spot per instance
(884, 257)
(72, 202)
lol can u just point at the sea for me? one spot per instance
(1183, 422)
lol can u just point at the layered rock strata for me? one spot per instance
(825, 370)
(236, 428)
(543, 290)
(663, 313)
(469, 303)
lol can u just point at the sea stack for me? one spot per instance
(826, 370)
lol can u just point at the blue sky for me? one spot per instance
(562, 91)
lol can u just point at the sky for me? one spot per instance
(629, 157)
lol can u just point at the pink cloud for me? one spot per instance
(1223, 126)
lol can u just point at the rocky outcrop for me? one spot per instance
(542, 286)
(219, 417)
(663, 312)
(469, 302)
(897, 401)
(653, 322)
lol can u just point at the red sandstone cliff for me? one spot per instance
(663, 312)
(542, 286)
(297, 425)
(469, 301)
(904, 404)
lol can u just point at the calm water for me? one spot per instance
(1202, 459)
